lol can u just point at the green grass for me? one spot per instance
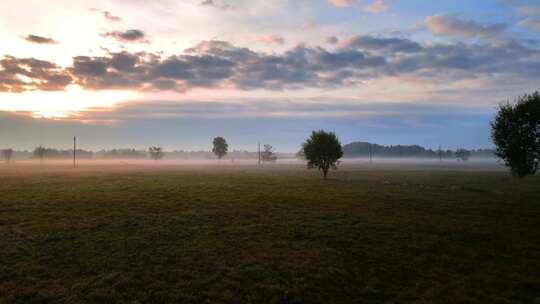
(267, 236)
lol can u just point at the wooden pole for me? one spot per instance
(259, 153)
(370, 154)
(74, 152)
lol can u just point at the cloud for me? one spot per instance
(217, 4)
(532, 23)
(111, 17)
(378, 6)
(106, 14)
(331, 40)
(446, 25)
(133, 35)
(222, 65)
(27, 74)
(343, 3)
(529, 10)
(267, 107)
(371, 43)
(270, 39)
(40, 39)
(219, 64)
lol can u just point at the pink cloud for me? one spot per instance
(529, 10)
(342, 3)
(378, 6)
(270, 39)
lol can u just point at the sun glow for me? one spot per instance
(63, 103)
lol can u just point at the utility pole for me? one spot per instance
(370, 154)
(440, 154)
(74, 152)
(259, 153)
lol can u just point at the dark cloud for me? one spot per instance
(27, 74)
(111, 17)
(40, 39)
(331, 40)
(106, 14)
(218, 64)
(118, 71)
(393, 45)
(221, 5)
(133, 35)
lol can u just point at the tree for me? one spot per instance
(7, 155)
(268, 154)
(220, 147)
(463, 155)
(39, 152)
(516, 134)
(156, 153)
(322, 151)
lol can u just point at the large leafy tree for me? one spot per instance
(322, 150)
(220, 147)
(516, 134)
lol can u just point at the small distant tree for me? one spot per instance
(156, 153)
(322, 150)
(39, 153)
(463, 155)
(516, 134)
(220, 147)
(7, 155)
(268, 154)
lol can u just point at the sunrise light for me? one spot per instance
(62, 104)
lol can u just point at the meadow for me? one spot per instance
(147, 233)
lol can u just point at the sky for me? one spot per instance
(176, 73)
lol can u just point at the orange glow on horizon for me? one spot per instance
(62, 104)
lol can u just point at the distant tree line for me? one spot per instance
(268, 154)
(363, 149)
(41, 152)
(129, 153)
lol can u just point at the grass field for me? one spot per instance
(370, 234)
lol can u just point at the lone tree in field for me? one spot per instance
(7, 155)
(268, 154)
(39, 152)
(516, 134)
(220, 147)
(463, 155)
(156, 153)
(322, 150)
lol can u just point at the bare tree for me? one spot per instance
(156, 153)
(7, 155)
(268, 154)
(39, 152)
(463, 155)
